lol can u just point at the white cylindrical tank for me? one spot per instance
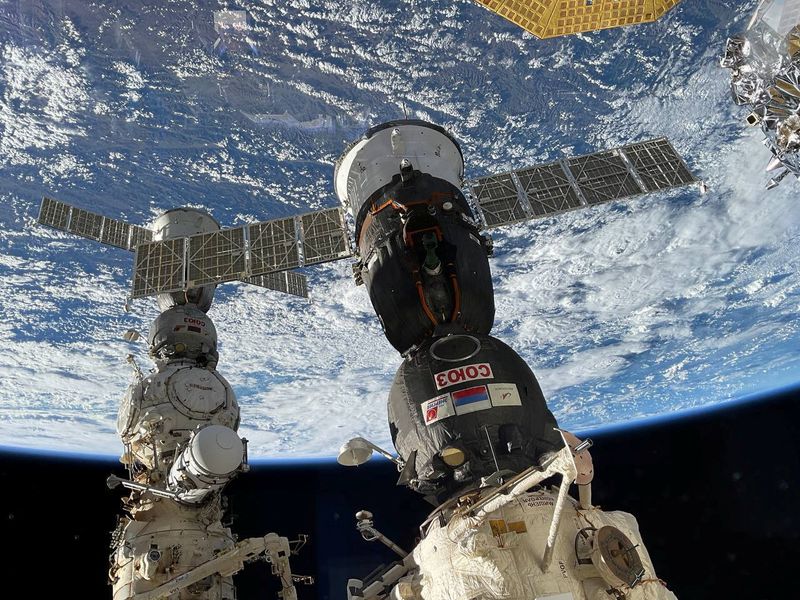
(372, 162)
(209, 461)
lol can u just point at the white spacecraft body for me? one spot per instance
(181, 447)
(159, 412)
(765, 75)
(374, 160)
(501, 556)
(165, 540)
(208, 462)
(517, 539)
(178, 424)
(178, 427)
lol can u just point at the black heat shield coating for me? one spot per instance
(528, 428)
(390, 266)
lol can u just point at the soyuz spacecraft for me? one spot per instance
(467, 417)
(765, 76)
(178, 428)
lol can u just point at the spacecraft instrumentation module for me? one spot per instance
(178, 428)
(765, 76)
(467, 417)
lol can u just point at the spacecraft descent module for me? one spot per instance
(178, 427)
(765, 76)
(467, 417)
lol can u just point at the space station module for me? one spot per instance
(765, 76)
(467, 417)
(179, 427)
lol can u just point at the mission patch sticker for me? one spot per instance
(437, 409)
(471, 400)
(504, 394)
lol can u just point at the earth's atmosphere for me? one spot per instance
(642, 308)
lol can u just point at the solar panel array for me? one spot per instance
(216, 256)
(500, 202)
(59, 215)
(658, 164)
(287, 282)
(244, 253)
(273, 245)
(164, 262)
(548, 189)
(324, 236)
(603, 177)
(262, 253)
(567, 184)
(213, 255)
(550, 18)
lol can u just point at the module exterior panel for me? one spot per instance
(551, 18)
(324, 236)
(216, 257)
(287, 282)
(159, 267)
(790, 17)
(658, 164)
(273, 246)
(548, 189)
(498, 200)
(603, 177)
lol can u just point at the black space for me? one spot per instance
(716, 496)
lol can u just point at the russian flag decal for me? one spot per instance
(471, 400)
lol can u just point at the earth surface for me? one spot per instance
(664, 303)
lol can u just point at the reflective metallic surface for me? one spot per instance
(765, 76)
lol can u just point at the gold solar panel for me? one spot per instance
(551, 18)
